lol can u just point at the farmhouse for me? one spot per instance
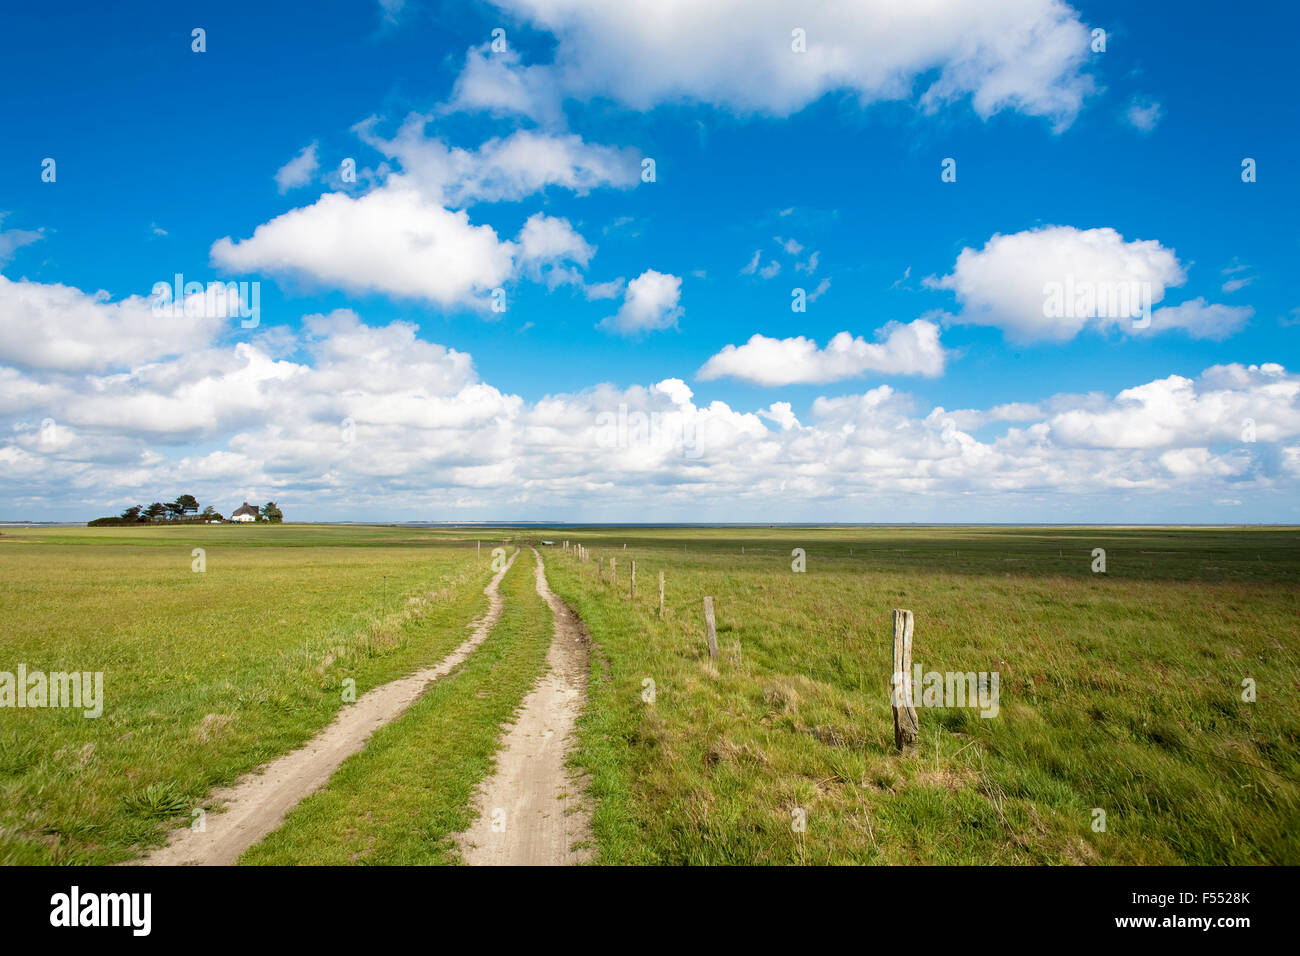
(244, 512)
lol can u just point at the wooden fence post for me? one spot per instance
(906, 728)
(661, 595)
(613, 571)
(712, 627)
(601, 566)
(631, 591)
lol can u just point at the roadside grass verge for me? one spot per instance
(1118, 692)
(206, 675)
(402, 799)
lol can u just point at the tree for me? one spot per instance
(133, 513)
(174, 510)
(271, 512)
(155, 511)
(188, 504)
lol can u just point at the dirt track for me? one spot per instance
(257, 803)
(531, 810)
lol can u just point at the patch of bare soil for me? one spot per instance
(533, 811)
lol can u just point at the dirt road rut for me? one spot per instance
(532, 811)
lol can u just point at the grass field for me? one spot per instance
(1119, 692)
(206, 675)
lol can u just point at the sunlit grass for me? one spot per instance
(1119, 692)
(206, 675)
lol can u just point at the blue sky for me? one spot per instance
(408, 397)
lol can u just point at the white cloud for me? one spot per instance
(605, 290)
(1027, 55)
(410, 237)
(1178, 412)
(1238, 282)
(11, 240)
(299, 170)
(1199, 319)
(502, 169)
(1050, 284)
(390, 240)
(374, 421)
(912, 349)
(810, 266)
(548, 239)
(61, 328)
(497, 83)
(1143, 114)
(649, 304)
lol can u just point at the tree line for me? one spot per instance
(184, 508)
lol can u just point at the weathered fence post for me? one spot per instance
(613, 571)
(661, 595)
(631, 591)
(712, 627)
(600, 566)
(906, 727)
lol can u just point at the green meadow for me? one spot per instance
(207, 674)
(1161, 697)
(1119, 692)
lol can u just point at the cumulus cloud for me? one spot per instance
(911, 349)
(390, 240)
(1178, 412)
(411, 237)
(58, 327)
(1050, 284)
(649, 305)
(357, 420)
(299, 170)
(549, 239)
(1026, 56)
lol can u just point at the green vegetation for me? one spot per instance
(184, 508)
(402, 799)
(206, 675)
(1120, 692)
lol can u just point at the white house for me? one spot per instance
(244, 512)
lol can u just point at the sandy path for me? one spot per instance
(536, 805)
(257, 803)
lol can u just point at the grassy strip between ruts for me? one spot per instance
(402, 799)
(1120, 693)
